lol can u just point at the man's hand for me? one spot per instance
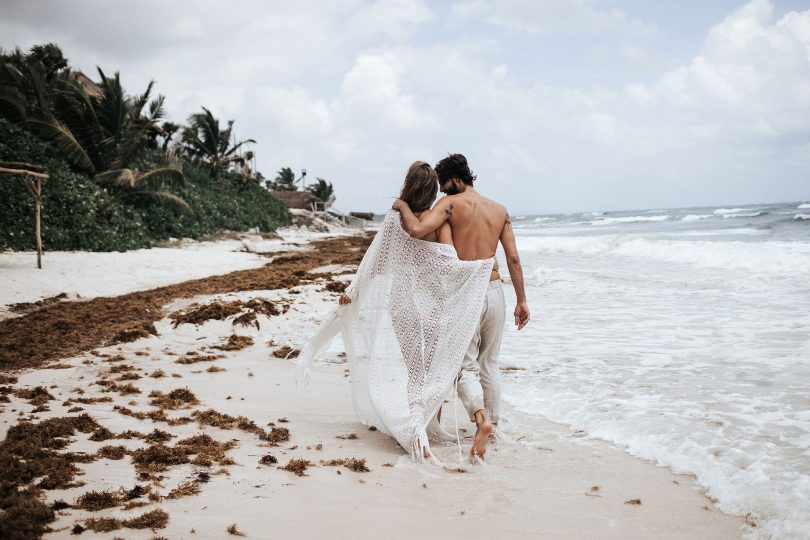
(344, 299)
(399, 203)
(521, 315)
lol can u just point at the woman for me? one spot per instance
(419, 190)
(406, 320)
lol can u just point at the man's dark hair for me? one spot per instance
(454, 166)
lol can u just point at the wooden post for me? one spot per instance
(32, 176)
(38, 196)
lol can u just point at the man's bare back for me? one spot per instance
(476, 223)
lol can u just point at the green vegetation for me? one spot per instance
(322, 189)
(117, 179)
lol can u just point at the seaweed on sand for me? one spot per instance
(158, 415)
(197, 314)
(98, 500)
(235, 343)
(112, 452)
(232, 529)
(335, 286)
(158, 457)
(25, 515)
(144, 330)
(176, 399)
(193, 359)
(29, 452)
(215, 418)
(258, 306)
(155, 519)
(353, 464)
(35, 396)
(297, 466)
(184, 490)
(66, 329)
(268, 460)
(158, 435)
(286, 352)
(207, 449)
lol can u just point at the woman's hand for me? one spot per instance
(398, 203)
(344, 299)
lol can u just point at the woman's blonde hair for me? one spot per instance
(420, 187)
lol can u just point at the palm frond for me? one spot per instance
(116, 179)
(12, 103)
(62, 138)
(237, 146)
(176, 201)
(170, 174)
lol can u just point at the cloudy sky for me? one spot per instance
(559, 105)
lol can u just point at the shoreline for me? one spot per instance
(540, 485)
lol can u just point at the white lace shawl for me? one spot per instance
(414, 309)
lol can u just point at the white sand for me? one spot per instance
(539, 487)
(82, 274)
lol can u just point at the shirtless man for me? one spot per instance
(477, 224)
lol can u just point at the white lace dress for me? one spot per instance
(414, 309)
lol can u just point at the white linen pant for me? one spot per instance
(479, 382)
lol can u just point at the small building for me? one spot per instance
(303, 200)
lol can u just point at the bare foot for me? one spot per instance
(479, 447)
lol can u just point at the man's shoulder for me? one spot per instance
(495, 206)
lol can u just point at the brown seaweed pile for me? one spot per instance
(190, 358)
(197, 314)
(297, 466)
(29, 452)
(258, 306)
(36, 396)
(353, 464)
(158, 415)
(286, 352)
(155, 519)
(215, 418)
(143, 330)
(176, 399)
(66, 329)
(235, 343)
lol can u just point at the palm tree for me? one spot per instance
(285, 180)
(99, 134)
(322, 189)
(204, 141)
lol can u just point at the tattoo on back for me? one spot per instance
(449, 211)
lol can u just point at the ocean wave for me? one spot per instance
(542, 219)
(759, 257)
(724, 211)
(755, 214)
(629, 219)
(804, 205)
(802, 217)
(695, 217)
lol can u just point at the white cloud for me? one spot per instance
(396, 18)
(293, 111)
(537, 17)
(356, 91)
(371, 92)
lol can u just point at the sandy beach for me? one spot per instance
(198, 427)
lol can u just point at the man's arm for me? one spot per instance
(515, 272)
(430, 220)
